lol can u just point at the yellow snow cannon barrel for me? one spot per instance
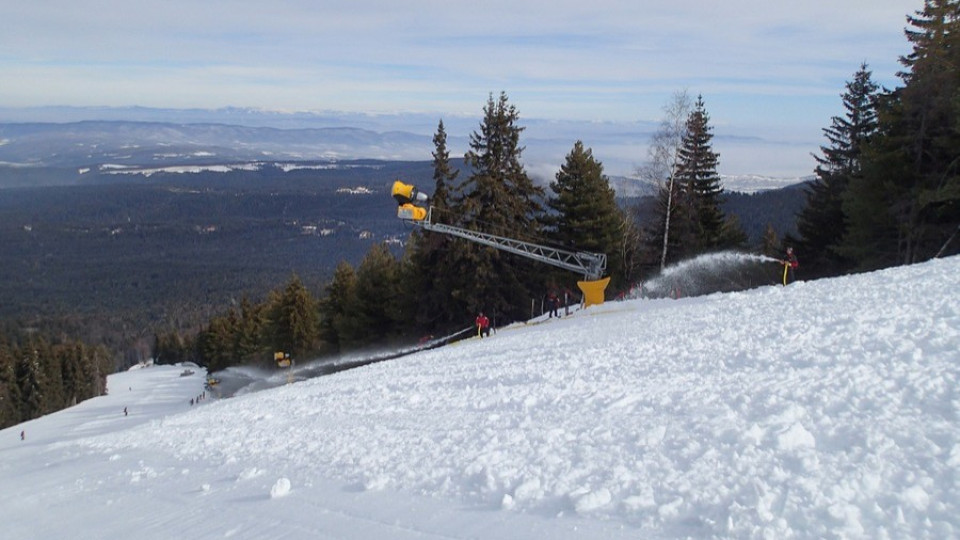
(593, 291)
(406, 194)
(411, 212)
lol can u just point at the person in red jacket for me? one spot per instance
(553, 302)
(483, 325)
(790, 265)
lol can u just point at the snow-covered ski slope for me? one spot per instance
(826, 409)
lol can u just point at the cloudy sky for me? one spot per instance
(765, 68)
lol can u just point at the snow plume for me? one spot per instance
(239, 380)
(726, 271)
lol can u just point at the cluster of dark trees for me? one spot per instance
(361, 307)
(38, 377)
(888, 183)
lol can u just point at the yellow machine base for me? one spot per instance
(593, 291)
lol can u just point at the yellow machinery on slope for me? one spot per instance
(284, 361)
(591, 265)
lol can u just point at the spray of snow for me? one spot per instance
(726, 271)
(240, 380)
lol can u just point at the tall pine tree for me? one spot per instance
(295, 319)
(336, 321)
(497, 198)
(378, 310)
(587, 217)
(906, 204)
(821, 223)
(697, 173)
(9, 388)
(29, 376)
(430, 254)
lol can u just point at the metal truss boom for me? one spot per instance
(591, 265)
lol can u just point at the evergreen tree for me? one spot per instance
(732, 234)
(337, 306)
(95, 364)
(215, 344)
(906, 204)
(430, 255)
(161, 352)
(295, 319)
(497, 198)
(38, 378)
(821, 223)
(9, 389)
(51, 377)
(587, 216)
(173, 347)
(248, 339)
(444, 177)
(707, 227)
(379, 309)
(72, 373)
(29, 376)
(770, 244)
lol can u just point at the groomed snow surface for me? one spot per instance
(825, 409)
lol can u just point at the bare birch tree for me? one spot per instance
(661, 167)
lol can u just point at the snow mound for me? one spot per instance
(280, 489)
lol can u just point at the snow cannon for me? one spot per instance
(411, 212)
(590, 265)
(283, 359)
(406, 195)
(593, 291)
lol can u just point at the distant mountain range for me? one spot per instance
(157, 144)
(146, 137)
(134, 147)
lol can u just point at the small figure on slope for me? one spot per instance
(483, 325)
(553, 303)
(790, 265)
